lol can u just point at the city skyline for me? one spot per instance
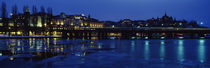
(44, 23)
(105, 12)
(104, 33)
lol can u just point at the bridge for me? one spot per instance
(127, 32)
(118, 32)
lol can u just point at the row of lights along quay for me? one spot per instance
(45, 24)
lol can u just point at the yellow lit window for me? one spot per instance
(1, 24)
(81, 24)
(51, 22)
(19, 33)
(72, 24)
(62, 23)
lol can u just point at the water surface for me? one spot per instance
(78, 53)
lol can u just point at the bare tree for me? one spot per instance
(14, 16)
(4, 16)
(25, 9)
(34, 10)
(49, 10)
(42, 9)
(4, 11)
(14, 10)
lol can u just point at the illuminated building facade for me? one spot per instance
(75, 21)
(45, 24)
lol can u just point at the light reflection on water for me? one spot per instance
(162, 50)
(180, 55)
(132, 46)
(201, 50)
(146, 50)
(93, 51)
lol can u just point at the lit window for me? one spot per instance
(62, 23)
(51, 22)
(1, 24)
(11, 24)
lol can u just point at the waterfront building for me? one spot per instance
(45, 24)
(75, 21)
(93, 23)
(126, 23)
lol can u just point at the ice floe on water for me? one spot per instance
(105, 59)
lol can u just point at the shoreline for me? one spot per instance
(136, 38)
(25, 37)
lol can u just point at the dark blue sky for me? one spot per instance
(115, 10)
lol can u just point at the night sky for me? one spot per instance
(116, 10)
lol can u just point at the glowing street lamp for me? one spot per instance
(11, 14)
(201, 23)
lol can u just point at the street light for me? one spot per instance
(11, 14)
(201, 23)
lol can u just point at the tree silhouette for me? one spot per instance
(14, 10)
(3, 10)
(14, 16)
(25, 8)
(34, 10)
(4, 14)
(49, 10)
(42, 9)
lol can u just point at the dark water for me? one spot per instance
(67, 53)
